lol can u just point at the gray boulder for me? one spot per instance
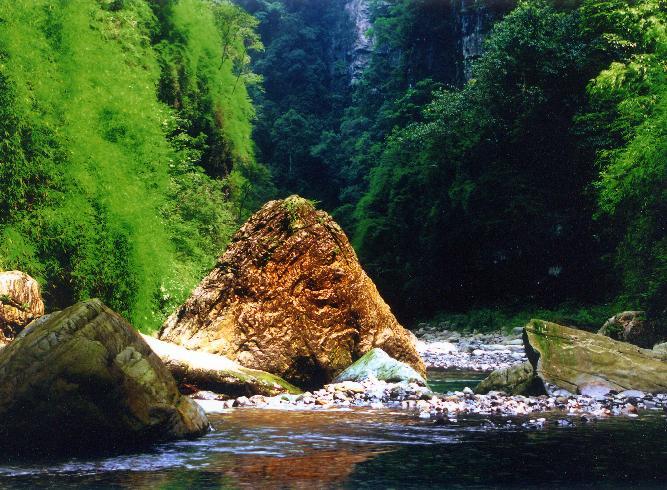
(631, 327)
(519, 379)
(376, 363)
(563, 358)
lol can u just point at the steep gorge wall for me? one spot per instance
(466, 23)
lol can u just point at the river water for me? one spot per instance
(364, 448)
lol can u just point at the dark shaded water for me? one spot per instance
(444, 381)
(256, 448)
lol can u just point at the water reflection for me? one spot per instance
(442, 381)
(362, 448)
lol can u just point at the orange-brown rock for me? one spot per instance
(20, 303)
(289, 297)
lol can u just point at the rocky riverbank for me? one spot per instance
(451, 351)
(444, 408)
(448, 350)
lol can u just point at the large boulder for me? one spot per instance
(377, 364)
(661, 350)
(631, 327)
(81, 377)
(582, 362)
(289, 297)
(217, 373)
(20, 303)
(519, 379)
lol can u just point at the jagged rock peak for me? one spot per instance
(289, 297)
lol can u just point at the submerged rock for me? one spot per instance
(377, 364)
(289, 297)
(631, 327)
(580, 362)
(82, 378)
(20, 303)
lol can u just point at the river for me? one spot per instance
(364, 448)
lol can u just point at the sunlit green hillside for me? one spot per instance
(125, 145)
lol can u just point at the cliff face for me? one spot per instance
(360, 46)
(453, 36)
(474, 21)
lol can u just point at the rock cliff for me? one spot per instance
(468, 23)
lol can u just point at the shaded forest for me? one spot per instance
(529, 172)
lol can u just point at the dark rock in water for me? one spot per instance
(515, 380)
(631, 327)
(289, 297)
(20, 303)
(379, 365)
(83, 378)
(575, 360)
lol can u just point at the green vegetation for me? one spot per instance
(495, 319)
(125, 151)
(535, 174)
(525, 176)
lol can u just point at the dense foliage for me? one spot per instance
(115, 117)
(503, 209)
(534, 172)
(541, 179)
(627, 123)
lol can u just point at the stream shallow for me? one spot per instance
(362, 448)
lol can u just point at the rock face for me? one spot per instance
(377, 364)
(82, 375)
(20, 303)
(632, 327)
(581, 362)
(361, 46)
(217, 373)
(519, 379)
(455, 48)
(289, 297)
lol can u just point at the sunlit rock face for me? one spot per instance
(20, 303)
(290, 297)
